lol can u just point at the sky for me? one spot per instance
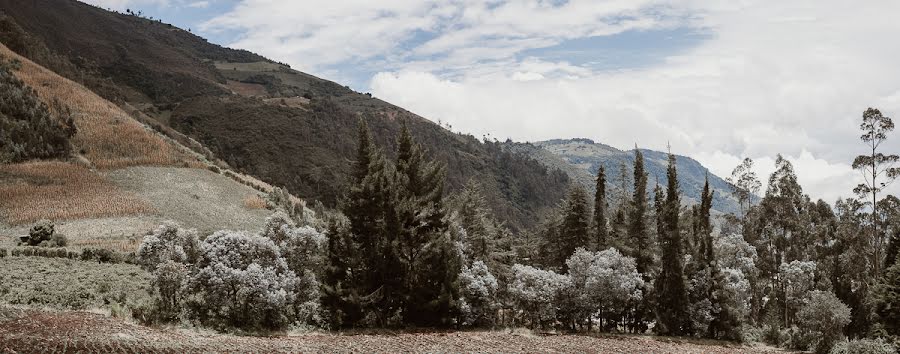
(716, 80)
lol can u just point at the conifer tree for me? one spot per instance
(428, 263)
(575, 230)
(637, 229)
(599, 223)
(672, 299)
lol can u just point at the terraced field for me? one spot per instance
(28, 331)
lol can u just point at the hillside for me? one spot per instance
(580, 159)
(260, 117)
(119, 183)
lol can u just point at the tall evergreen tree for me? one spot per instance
(672, 300)
(637, 229)
(600, 228)
(575, 230)
(428, 264)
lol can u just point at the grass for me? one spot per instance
(70, 284)
(58, 191)
(254, 202)
(107, 136)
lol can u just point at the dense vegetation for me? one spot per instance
(28, 127)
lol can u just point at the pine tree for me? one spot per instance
(637, 229)
(575, 230)
(428, 262)
(672, 299)
(599, 223)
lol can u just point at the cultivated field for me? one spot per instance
(47, 331)
(70, 284)
(60, 191)
(107, 136)
(194, 198)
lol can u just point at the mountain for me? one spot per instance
(580, 159)
(243, 111)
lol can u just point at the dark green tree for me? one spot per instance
(887, 300)
(637, 228)
(671, 300)
(428, 262)
(575, 228)
(599, 223)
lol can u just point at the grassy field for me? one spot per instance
(59, 191)
(107, 136)
(70, 284)
(83, 331)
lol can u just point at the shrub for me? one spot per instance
(2, 252)
(40, 232)
(536, 292)
(167, 280)
(242, 281)
(863, 346)
(302, 247)
(823, 319)
(101, 255)
(479, 295)
(168, 242)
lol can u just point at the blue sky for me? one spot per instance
(718, 80)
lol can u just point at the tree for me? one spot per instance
(600, 228)
(242, 281)
(886, 297)
(672, 300)
(426, 254)
(536, 292)
(606, 282)
(744, 183)
(575, 228)
(823, 319)
(479, 293)
(637, 229)
(877, 169)
(168, 242)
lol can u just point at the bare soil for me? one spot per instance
(66, 332)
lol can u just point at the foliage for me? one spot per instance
(599, 223)
(168, 242)
(606, 282)
(536, 293)
(863, 346)
(242, 281)
(823, 317)
(886, 298)
(479, 295)
(672, 299)
(28, 129)
(69, 283)
(744, 183)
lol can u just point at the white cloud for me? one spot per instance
(789, 77)
(775, 77)
(199, 4)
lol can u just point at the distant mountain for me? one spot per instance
(258, 116)
(581, 158)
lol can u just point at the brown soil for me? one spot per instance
(67, 332)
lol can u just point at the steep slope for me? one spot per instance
(260, 117)
(582, 158)
(107, 194)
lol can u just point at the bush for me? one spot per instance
(2, 252)
(168, 242)
(40, 232)
(242, 281)
(823, 319)
(863, 346)
(536, 292)
(101, 255)
(479, 295)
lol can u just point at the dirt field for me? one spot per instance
(26, 331)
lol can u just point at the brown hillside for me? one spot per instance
(107, 136)
(305, 142)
